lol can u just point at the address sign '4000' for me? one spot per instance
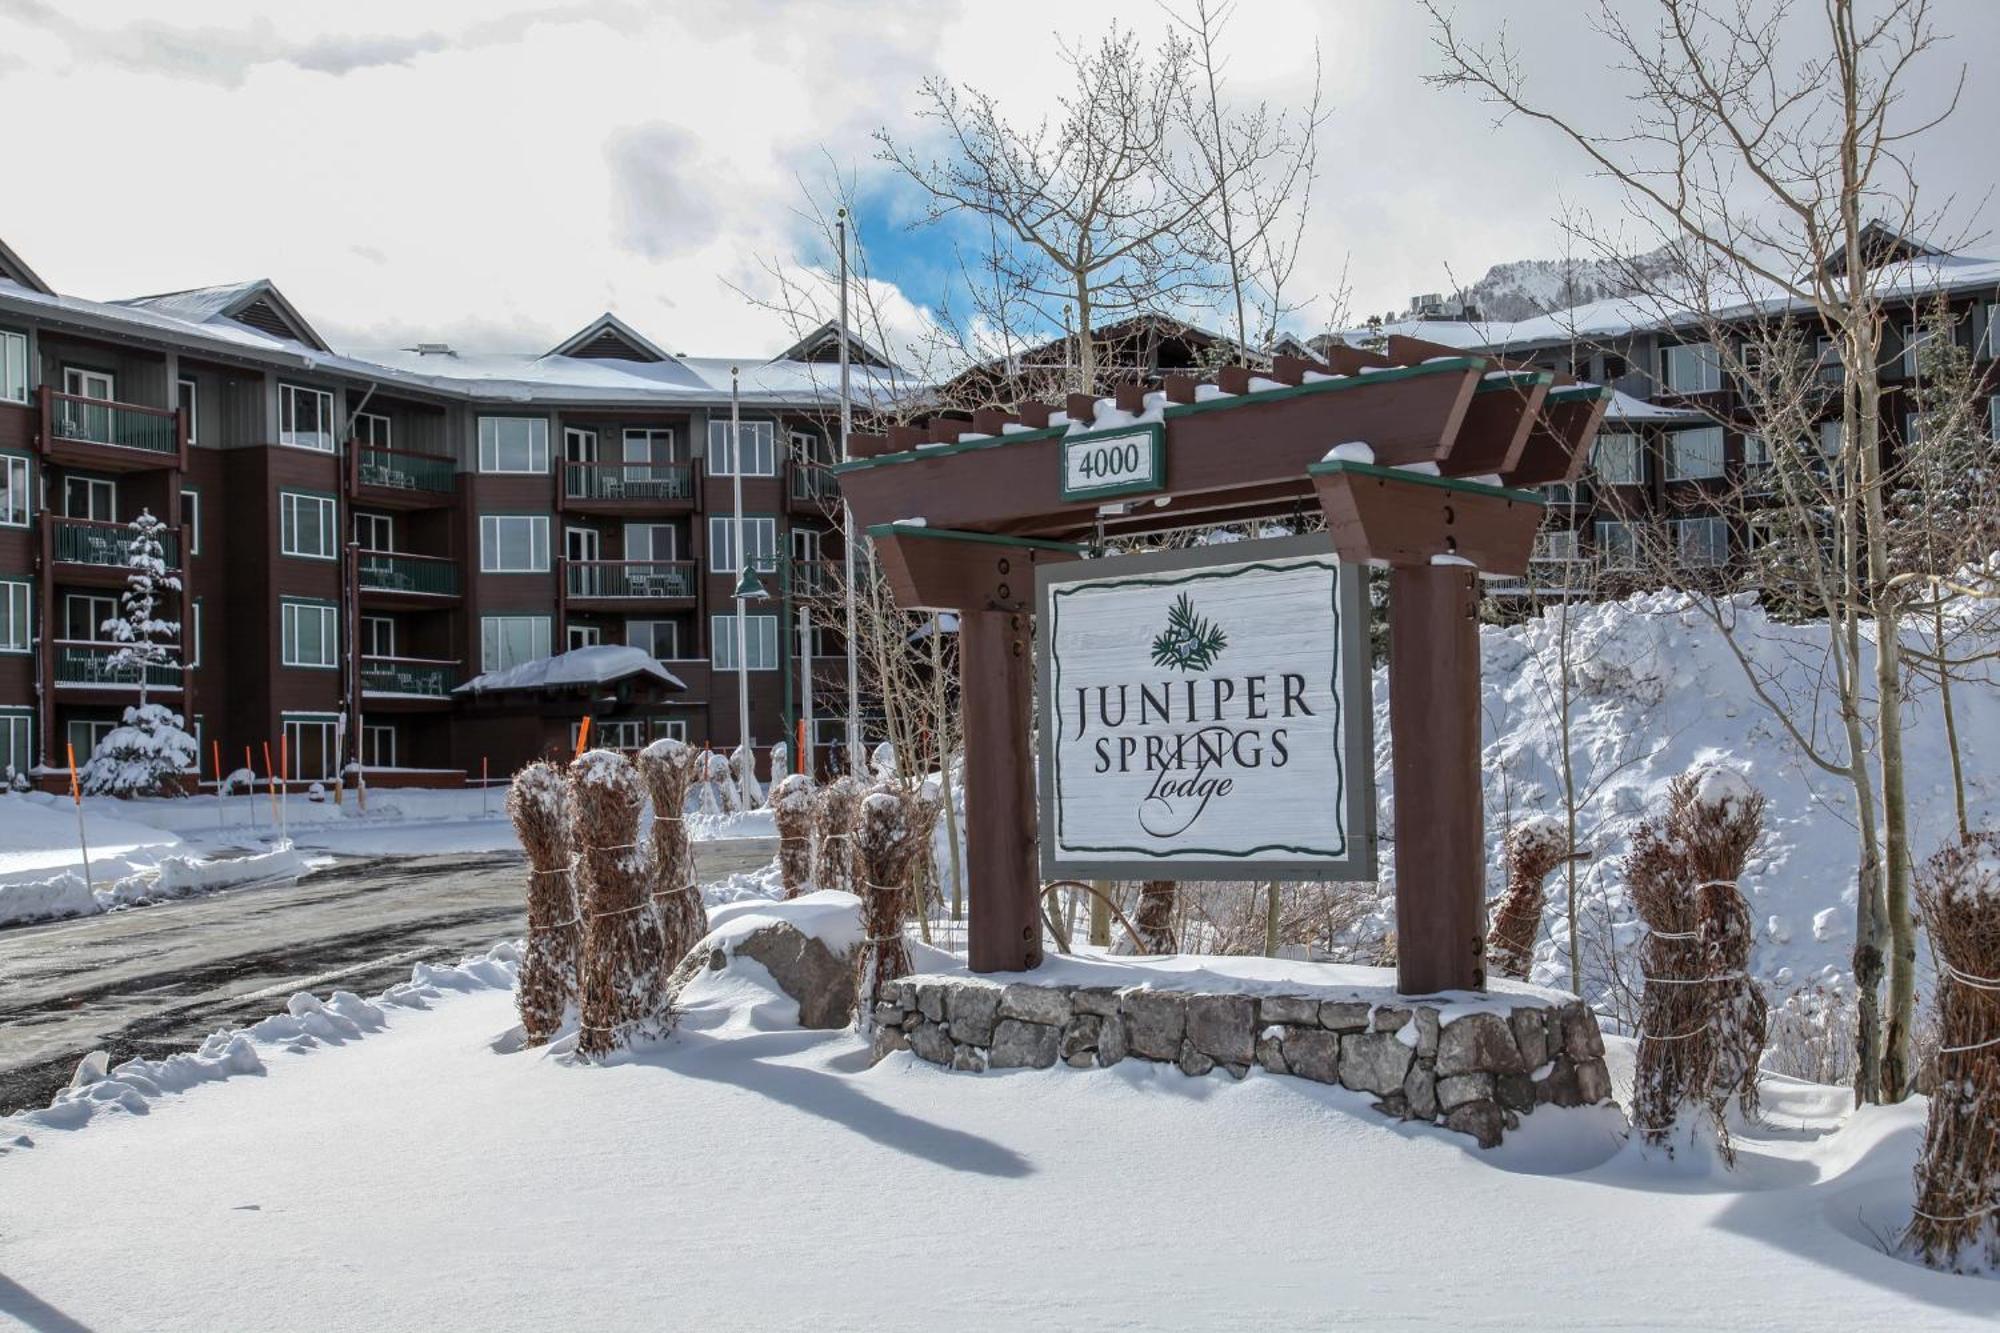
(1205, 715)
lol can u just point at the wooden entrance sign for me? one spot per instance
(963, 514)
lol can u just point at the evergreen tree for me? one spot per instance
(151, 746)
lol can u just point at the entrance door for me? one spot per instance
(580, 446)
(86, 421)
(583, 547)
(585, 636)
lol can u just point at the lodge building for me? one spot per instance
(358, 535)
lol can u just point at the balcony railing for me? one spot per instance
(418, 677)
(628, 481)
(812, 577)
(424, 575)
(812, 481)
(90, 663)
(86, 541)
(156, 430)
(403, 470)
(644, 580)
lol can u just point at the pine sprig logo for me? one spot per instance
(1190, 642)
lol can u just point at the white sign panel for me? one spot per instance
(1205, 715)
(1112, 463)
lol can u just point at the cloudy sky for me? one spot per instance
(495, 173)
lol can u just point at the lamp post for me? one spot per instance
(847, 524)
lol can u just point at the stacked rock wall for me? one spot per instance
(1472, 1069)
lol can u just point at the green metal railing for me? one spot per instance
(628, 481)
(811, 481)
(83, 663)
(406, 675)
(82, 541)
(400, 470)
(95, 421)
(637, 579)
(384, 571)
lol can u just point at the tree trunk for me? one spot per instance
(1086, 346)
(1155, 917)
(1271, 921)
(1100, 913)
(1950, 719)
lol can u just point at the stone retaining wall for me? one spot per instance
(1472, 1068)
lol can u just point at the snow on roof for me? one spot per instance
(608, 323)
(600, 664)
(1624, 407)
(239, 304)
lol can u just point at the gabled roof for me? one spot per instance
(1882, 244)
(823, 344)
(255, 305)
(15, 269)
(608, 338)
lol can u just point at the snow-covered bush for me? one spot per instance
(136, 757)
(139, 757)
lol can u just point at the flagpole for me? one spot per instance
(747, 781)
(854, 764)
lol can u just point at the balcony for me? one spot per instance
(627, 487)
(88, 664)
(629, 581)
(99, 552)
(811, 486)
(402, 478)
(407, 678)
(812, 578)
(109, 436)
(394, 574)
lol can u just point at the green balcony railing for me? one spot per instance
(414, 676)
(811, 481)
(401, 470)
(121, 425)
(645, 580)
(388, 571)
(628, 481)
(83, 541)
(80, 662)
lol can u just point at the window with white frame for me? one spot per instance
(646, 448)
(1989, 346)
(17, 740)
(375, 532)
(513, 444)
(305, 418)
(508, 641)
(514, 543)
(191, 519)
(191, 634)
(307, 526)
(1701, 542)
(759, 449)
(650, 541)
(16, 635)
(310, 751)
(309, 634)
(378, 636)
(371, 430)
(1555, 544)
(90, 497)
(1993, 418)
(759, 534)
(13, 367)
(1619, 460)
(670, 728)
(583, 636)
(190, 404)
(1692, 368)
(660, 638)
(378, 745)
(84, 616)
(624, 734)
(85, 735)
(1915, 336)
(760, 642)
(1617, 544)
(16, 499)
(1694, 455)
(1829, 439)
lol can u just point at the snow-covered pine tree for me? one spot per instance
(138, 757)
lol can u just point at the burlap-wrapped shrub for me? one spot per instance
(926, 890)
(538, 803)
(1956, 1225)
(835, 812)
(718, 788)
(886, 843)
(792, 810)
(620, 940)
(667, 767)
(1535, 847)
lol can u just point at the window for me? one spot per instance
(625, 734)
(650, 541)
(378, 636)
(1555, 544)
(17, 731)
(661, 638)
(1618, 460)
(760, 534)
(375, 532)
(15, 497)
(760, 641)
(305, 418)
(85, 736)
(1694, 455)
(191, 641)
(90, 497)
(1990, 344)
(1701, 541)
(84, 616)
(514, 543)
(1692, 368)
(371, 430)
(16, 636)
(306, 525)
(310, 634)
(189, 406)
(579, 445)
(506, 641)
(513, 444)
(13, 367)
(81, 383)
(643, 449)
(1617, 544)
(1914, 338)
(670, 728)
(759, 449)
(583, 636)
(1829, 439)
(1913, 428)
(309, 747)
(1993, 418)
(191, 519)
(1615, 367)
(378, 745)
(805, 545)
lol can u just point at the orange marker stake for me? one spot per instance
(271, 784)
(76, 795)
(582, 738)
(284, 785)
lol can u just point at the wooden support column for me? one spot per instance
(995, 655)
(1440, 833)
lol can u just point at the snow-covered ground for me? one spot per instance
(400, 1163)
